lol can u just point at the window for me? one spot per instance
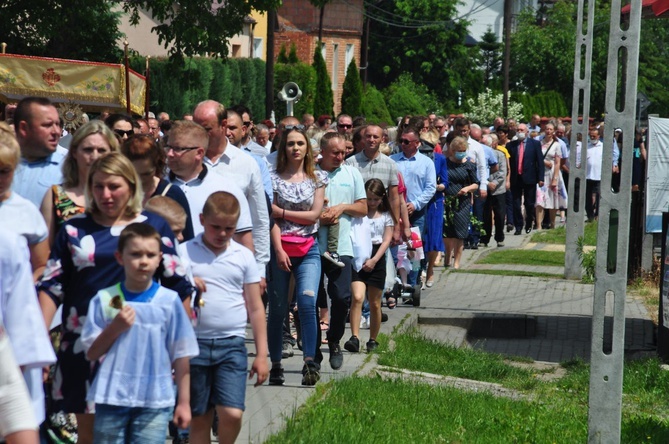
(350, 52)
(236, 51)
(324, 52)
(257, 48)
(335, 65)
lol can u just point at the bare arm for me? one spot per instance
(394, 198)
(308, 217)
(404, 214)
(256, 311)
(47, 213)
(356, 209)
(39, 254)
(245, 238)
(121, 323)
(182, 413)
(381, 252)
(48, 308)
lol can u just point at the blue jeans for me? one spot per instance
(307, 273)
(120, 425)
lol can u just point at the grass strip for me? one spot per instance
(524, 257)
(512, 273)
(559, 235)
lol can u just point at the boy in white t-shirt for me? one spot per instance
(227, 276)
(143, 331)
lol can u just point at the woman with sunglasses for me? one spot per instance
(61, 202)
(299, 193)
(121, 124)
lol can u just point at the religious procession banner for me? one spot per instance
(657, 176)
(92, 85)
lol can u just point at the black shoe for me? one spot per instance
(372, 345)
(517, 232)
(509, 227)
(276, 375)
(474, 247)
(384, 317)
(528, 230)
(353, 344)
(311, 373)
(336, 356)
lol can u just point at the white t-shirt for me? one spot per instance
(378, 226)
(22, 217)
(224, 312)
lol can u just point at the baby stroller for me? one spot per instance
(409, 256)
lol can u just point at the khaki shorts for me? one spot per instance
(16, 412)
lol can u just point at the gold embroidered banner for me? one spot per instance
(90, 84)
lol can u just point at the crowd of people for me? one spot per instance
(146, 247)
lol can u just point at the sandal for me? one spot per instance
(325, 326)
(391, 302)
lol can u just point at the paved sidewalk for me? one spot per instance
(560, 312)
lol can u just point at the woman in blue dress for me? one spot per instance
(82, 262)
(434, 222)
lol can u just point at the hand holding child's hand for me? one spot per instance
(124, 319)
(261, 369)
(182, 415)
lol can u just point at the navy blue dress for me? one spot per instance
(82, 263)
(457, 209)
(434, 219)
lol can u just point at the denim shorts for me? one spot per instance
(218, 374)
(119, 425)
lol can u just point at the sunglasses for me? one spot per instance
(343, 125)
(299, 127)
(122, 133)
(406, 141)
(247, 124)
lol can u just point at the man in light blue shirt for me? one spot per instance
(38, 131)
(420, 179)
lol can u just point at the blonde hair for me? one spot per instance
(70, 167)
(384, 148)
(168, 209)
(115, 164)
(10, 152)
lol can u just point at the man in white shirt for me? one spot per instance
(241, 168)
(185, 151)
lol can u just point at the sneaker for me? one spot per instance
(287, 351)
(364, 323)
(353, 344)
(276, 375)
(384, 317)
(336, 356)
(311, 373)
(372, 345)
(500, 244)
(334, 258)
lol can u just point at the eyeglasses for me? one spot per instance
(439, 127)
(406, 141)
(122, 133)
(345, 126)
(179, 150)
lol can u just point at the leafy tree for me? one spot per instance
(292, 55)
(351, 97)
(653, 71)
(283, 56)
(404, 96)
(491, 55)
(323, 97)
(488, 105)
(72, 29)
(374, 106)
(195, 27)
(421, 38)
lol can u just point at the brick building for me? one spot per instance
(342, 31)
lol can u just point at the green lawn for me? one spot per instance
(524, 257)
(559, 235)
(373, 410)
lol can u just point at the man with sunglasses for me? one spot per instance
(344, 124)
(420, 178)
(38, 132)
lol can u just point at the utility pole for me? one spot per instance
(269, 64)
(507, 57)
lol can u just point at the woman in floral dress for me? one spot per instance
(82, 262)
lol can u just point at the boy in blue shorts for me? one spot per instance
(144, 332)
(227, 276)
